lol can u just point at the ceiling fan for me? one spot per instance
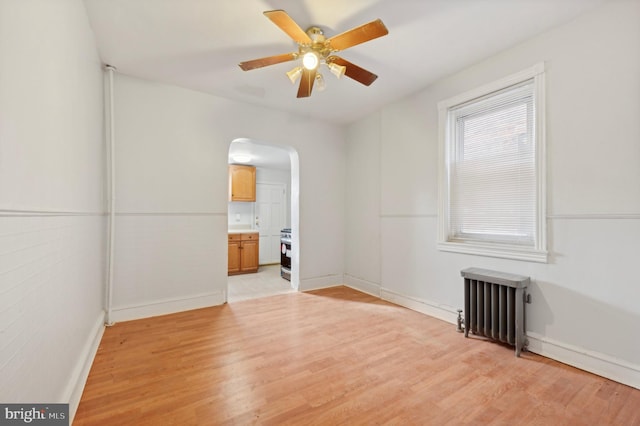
(315, 49)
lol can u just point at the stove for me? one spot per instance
(285, 253)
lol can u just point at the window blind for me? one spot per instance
(493, 168)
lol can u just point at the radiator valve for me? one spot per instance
(460, 326)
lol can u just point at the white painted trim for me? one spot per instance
(436, 310)
(568, 216)
(409, 216)
(80, 373)
(362, 285)
(317, 283)
(172, 214)
(541, 161)
(46, 212)
(501, 251)
(591, 361)
(595, 216)
(168, 306)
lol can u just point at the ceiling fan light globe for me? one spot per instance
(310, 61)
(320, 84)
(337, 70)
(294, 74)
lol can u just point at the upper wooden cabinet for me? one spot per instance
(242, 183)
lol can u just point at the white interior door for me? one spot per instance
(270, 219)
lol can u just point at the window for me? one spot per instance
(492, 179)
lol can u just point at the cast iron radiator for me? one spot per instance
(494, 305)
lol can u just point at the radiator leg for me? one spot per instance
(520, 339)
(467, 306)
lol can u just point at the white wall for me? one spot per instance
(362, 240)
(171, 159)
(241, 215)
(51, 200)
(584, 309)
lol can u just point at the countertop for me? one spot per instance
(242, 231)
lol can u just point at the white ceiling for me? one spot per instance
(261, 155)
(197, 44)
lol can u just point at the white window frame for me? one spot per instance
(534, 253)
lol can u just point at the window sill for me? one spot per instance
(495, 250)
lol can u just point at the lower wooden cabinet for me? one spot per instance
(243, 253)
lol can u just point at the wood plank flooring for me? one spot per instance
(332, 357)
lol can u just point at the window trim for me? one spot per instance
(536, 253)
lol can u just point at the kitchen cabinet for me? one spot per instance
(242, 183)
(243, 253)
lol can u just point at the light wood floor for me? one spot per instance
(332, 357)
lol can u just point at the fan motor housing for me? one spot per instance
(319, 43)
(316, 34)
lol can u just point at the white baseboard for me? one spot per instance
(80, 373)
(363, 286)
(318, 283)
(593, 362)
(444, 313)
(167, 306)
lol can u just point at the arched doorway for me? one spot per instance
(277, 167)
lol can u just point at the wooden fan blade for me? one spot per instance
(355, 36)
(269, 60)
(353, 71)
(288, 25)
(306, 83)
